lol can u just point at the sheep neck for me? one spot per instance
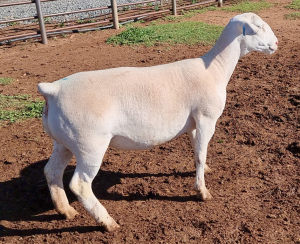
(223, 57)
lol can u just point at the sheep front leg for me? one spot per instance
(54, 171)
(204, 131)
(81, 185)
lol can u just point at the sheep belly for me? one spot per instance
(144, 138)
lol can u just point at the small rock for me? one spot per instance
(271, 216)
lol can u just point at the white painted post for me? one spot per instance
(41, 21)
(114, 10)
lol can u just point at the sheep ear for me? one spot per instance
(249, 29)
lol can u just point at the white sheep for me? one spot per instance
(139, 108)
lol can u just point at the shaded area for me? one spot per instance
(27, 196)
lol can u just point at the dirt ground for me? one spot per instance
(254, 153)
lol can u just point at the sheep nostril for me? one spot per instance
(273, 48)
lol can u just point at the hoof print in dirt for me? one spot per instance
(295, 100)
(294, 148)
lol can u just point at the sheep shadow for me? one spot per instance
(27, 197)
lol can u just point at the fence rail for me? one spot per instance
(42, 32)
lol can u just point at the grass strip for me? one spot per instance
(6, 81)
(294, 5)
(189, 33)
(13, 108)
(293, 16)
(248, 6)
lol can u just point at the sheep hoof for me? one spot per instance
(204, 195)
(112, 226)
(71, 213)
(207, 169)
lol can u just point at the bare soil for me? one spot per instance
(254, 154)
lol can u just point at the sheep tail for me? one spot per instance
(48, 90)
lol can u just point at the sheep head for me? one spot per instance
(255, 34)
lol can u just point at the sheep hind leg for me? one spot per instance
(54, 171)
(81, 185)
(192, 136)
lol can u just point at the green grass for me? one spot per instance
(248, 6)
(80, 21)
(203, 10)
(193, 12)
(47, 20)
(6, 81)
(294, 5)
(293, 16)
(242, 7)
(189, 33)
(13, 108)
(12, 23)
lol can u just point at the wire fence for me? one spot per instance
(112, 15)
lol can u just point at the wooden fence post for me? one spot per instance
(174, 9)
(114, 9)
(41, 21)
